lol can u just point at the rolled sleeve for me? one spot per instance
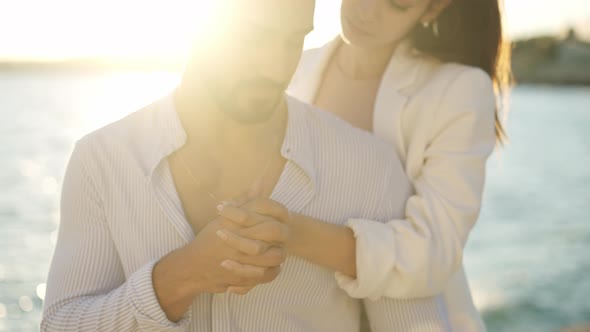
(375, 252)
(416, 253)
(149, 313)
(87, 289)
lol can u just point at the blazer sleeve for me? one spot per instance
(87, 289)
(417, 255)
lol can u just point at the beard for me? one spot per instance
(247, 108)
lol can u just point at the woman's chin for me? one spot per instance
(360, 42)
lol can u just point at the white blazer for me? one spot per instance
(439, 118)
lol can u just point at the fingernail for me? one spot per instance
(219, 207)
(222, 235)
(226, 264)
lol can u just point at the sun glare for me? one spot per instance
(67, 29)
(63, 29)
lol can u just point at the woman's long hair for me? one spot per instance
(471, 33)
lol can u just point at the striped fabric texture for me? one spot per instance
(120, 213)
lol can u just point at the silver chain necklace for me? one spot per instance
(212, 195)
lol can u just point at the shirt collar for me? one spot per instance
(298, 144)
(164, 134)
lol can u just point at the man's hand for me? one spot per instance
(208, 265)
(259, 226)
(255, 226)
(213, 258)
(326, 244)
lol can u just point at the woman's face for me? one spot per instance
(377, 23)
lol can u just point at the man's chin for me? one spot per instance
(254, 112)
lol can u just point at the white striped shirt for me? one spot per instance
(120, 213)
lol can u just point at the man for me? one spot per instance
(146, 242)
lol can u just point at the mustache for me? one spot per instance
(262, 83)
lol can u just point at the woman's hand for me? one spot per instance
(326, 244)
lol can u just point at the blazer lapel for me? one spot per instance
(402, 71)
(392, 96)
(309, 75)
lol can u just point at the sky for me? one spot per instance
(63, 29)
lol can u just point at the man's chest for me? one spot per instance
(199, 202)
(149, 217)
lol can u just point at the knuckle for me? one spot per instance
(277, 256)
(222, 288)
(243, 246)
(227, 224)
(272, 273)
(241, 280)
(231, 239)
(264, 247)
(257, 248)
(282, 253)
(259, 272)
(242, 216)
(241, 257)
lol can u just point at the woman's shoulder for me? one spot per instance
(446, 92)
(454, 84)
(451, 75)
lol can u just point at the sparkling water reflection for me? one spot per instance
(527, 258)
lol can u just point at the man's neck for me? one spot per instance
(207, 127)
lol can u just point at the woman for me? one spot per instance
(420, 74)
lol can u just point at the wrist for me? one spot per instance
(171, 283)
(295, 224)
(190, 282)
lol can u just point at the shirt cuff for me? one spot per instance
(149, 313)
(375, 259)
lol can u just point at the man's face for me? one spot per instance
(249, 69)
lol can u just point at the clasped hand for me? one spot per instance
(251, 246)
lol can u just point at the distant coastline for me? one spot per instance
(550, 60)
(538, 60)
(93, 64)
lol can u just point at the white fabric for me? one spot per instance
(439, 119)
(120, 213)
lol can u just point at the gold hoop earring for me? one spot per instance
(435, 29)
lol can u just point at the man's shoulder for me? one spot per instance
(124, 131)
(332, 136)
(328, 124)
(348, 157)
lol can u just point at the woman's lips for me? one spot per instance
(355, 27)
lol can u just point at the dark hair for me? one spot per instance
(470, 33)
